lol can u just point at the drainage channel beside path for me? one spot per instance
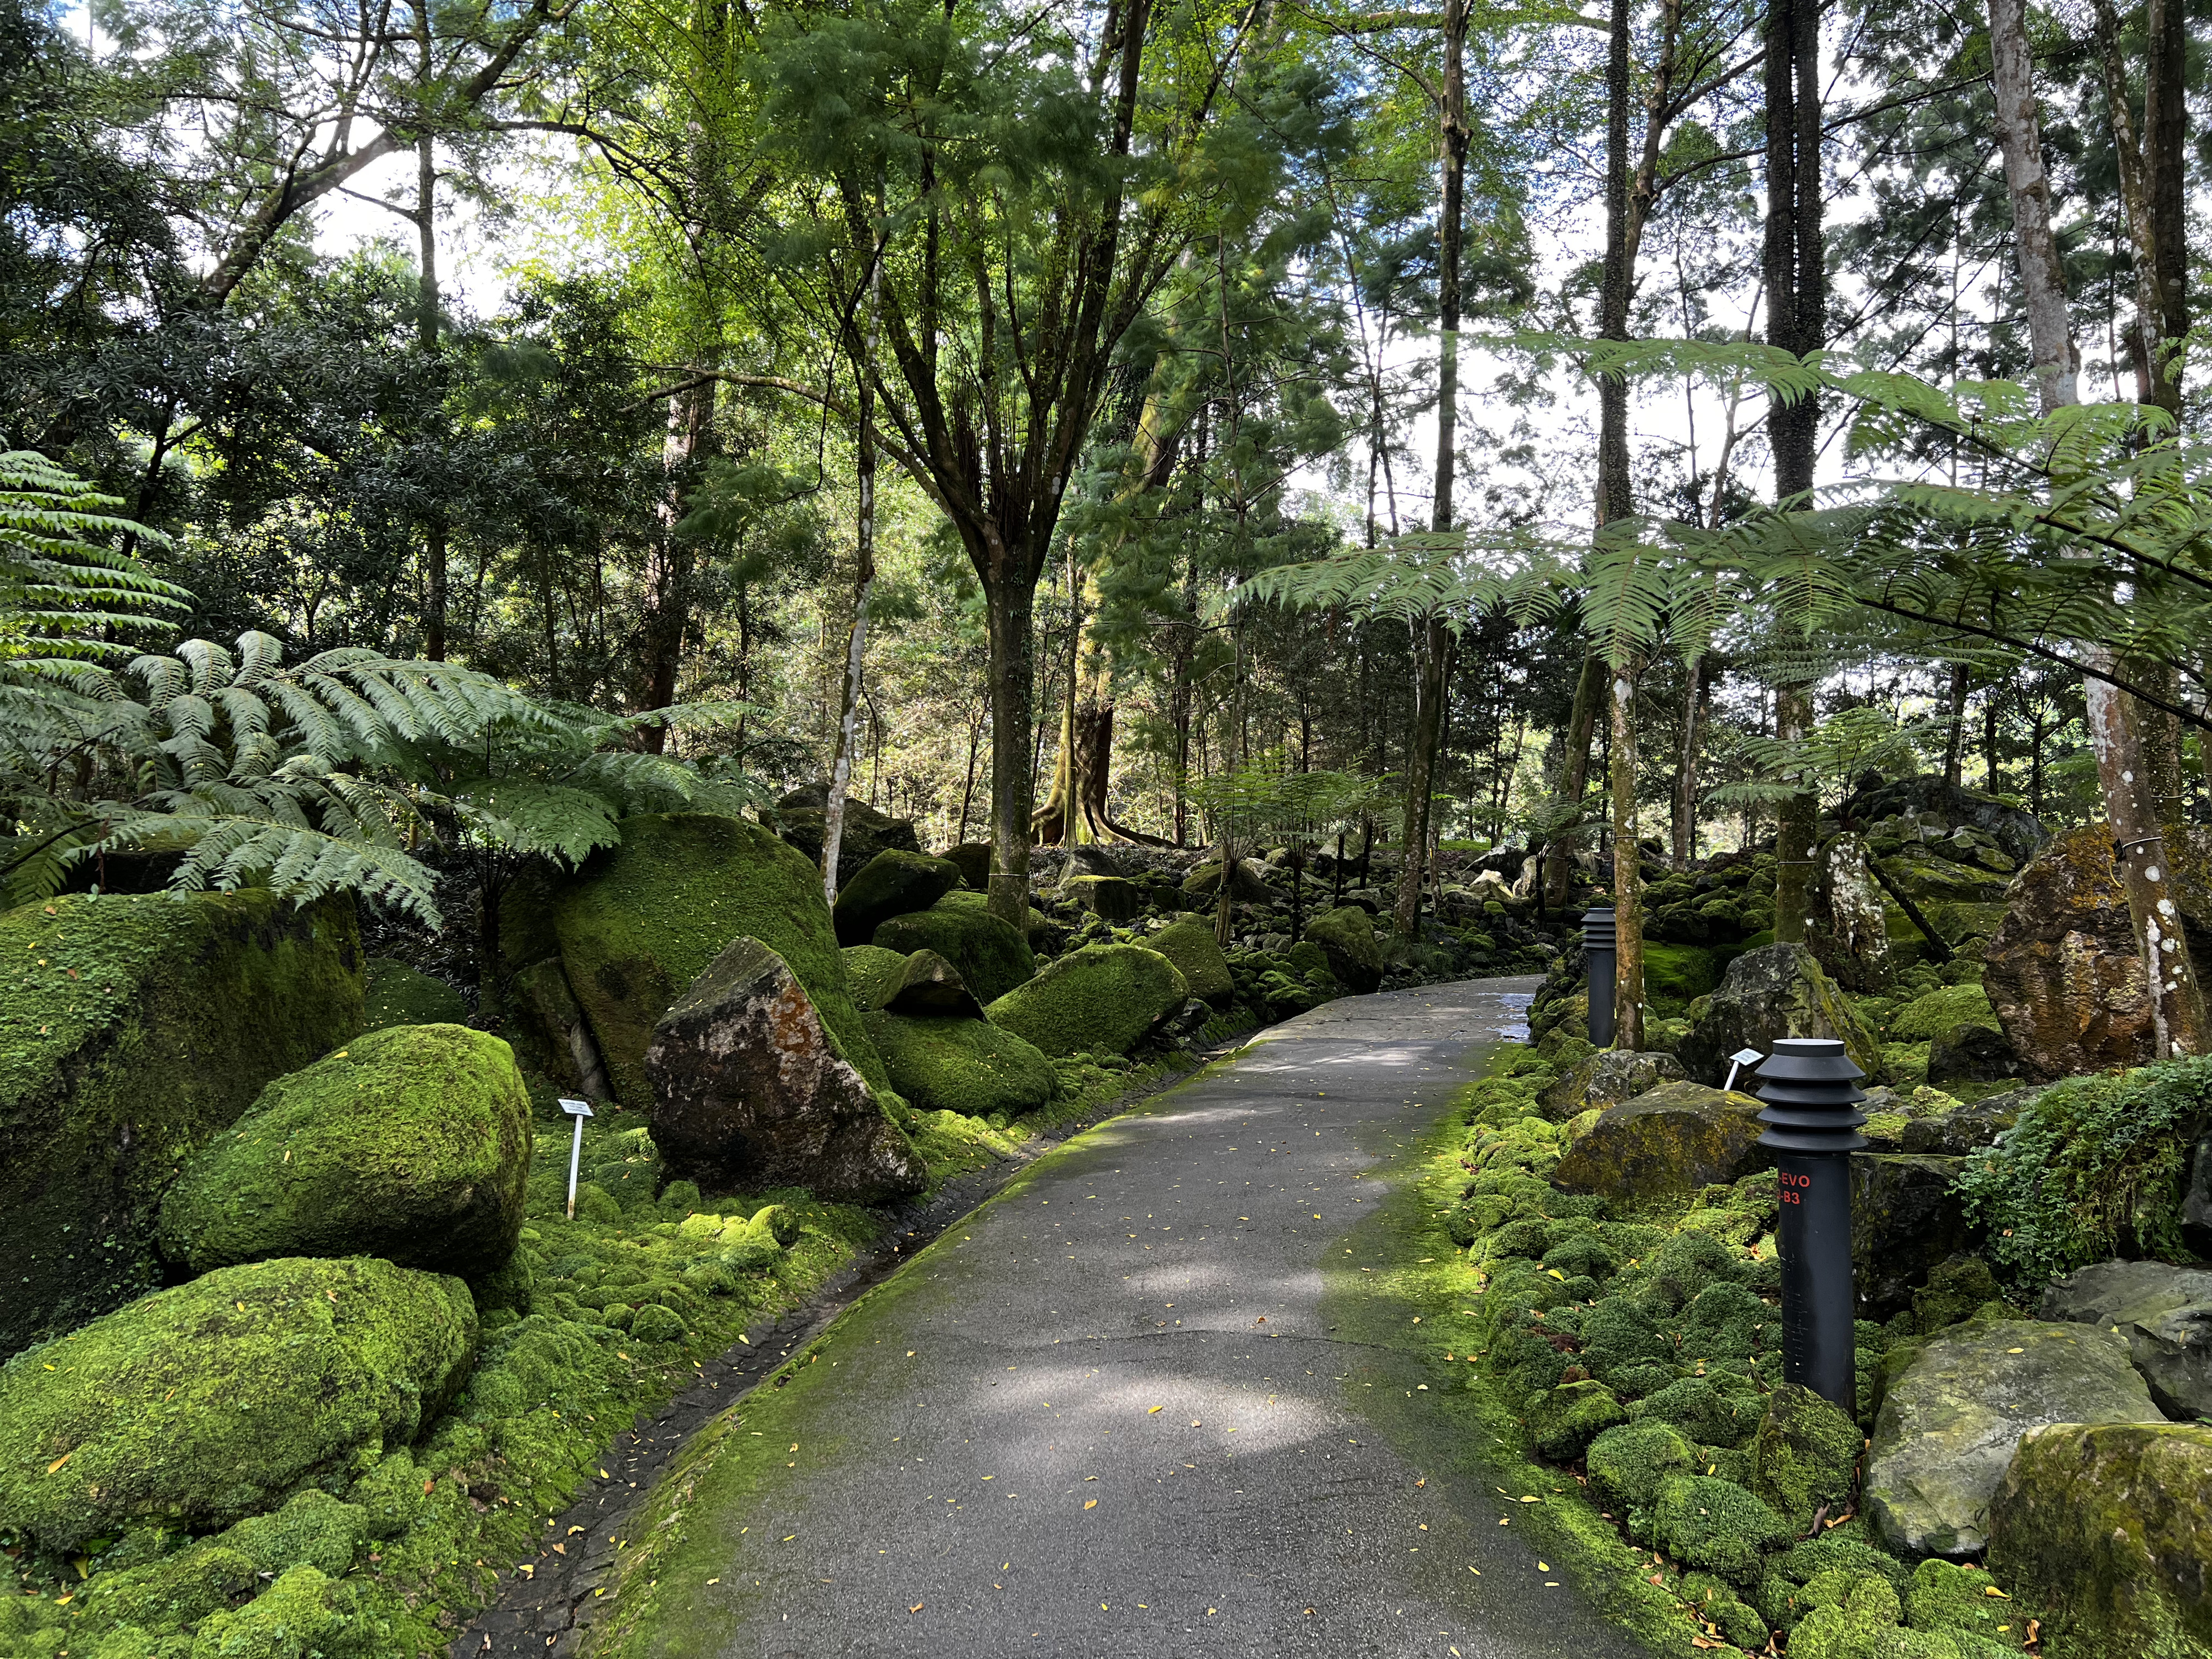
(1108, 1413)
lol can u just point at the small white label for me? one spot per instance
(577, 1108)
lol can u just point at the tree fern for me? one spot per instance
(64, 591)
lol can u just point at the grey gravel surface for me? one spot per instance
(1121, 1411)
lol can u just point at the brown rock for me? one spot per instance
(747, 1090)
(2063, 972)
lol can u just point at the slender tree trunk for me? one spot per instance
(864, 587)
(1432, 640)
(1010, 610)
(1955, 740)
(1559, 871)
(1627, 868)
(1686, 784)
(2051, 335)
(1796, 821)
(426, 334)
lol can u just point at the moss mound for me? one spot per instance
(890, 883)
(947, 1064)
(646, 918)
(1935, 1015)
(131, 1030)
(199, 1406)
(412, 1144)
(872, 973)
(1189, 944)
(1103, 999)
(1679, 973)
(992, 957)
(395, 994)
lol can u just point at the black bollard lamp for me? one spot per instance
(1810, 1091)
(1602, 946)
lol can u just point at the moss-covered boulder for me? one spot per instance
(801, 817)
(949, 1064)
(1627, 1465)
(872, 975)
(1776, 991)
(1606, 1078)
(396, 994)
(890, 885)
(991, 956)
(198, 1406)
(1944, 1597)
(1906, 1221)
(1346, 937)
(132, 1029)
(1949, 1425)
(1101, 1000)
(1248, 886)
(972, 859)
(1190, 945)
(1110, 899)
(646, 918)
(2107, 1531)
(1804, 1457)
(1674, 1139)
(412, 1144)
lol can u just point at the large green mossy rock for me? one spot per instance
(991, 956)
(1628, 1465)
(1346, 937)
(396, 994)
(1674, 1139)
(2107, 1531)
(1102, 1000)
(197, 1406)
(1703, 1521)
(1949, 1424)
(1606, 1079)
(1563, 1421)
(1190, 945)
(872, 974)
(132, 1029)
(1939, 1012)
(1110, 899)
(948, 1064)
(646, 918)
(891, 883)
(411, 1144)
(1776, 991)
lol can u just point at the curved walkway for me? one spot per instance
(1109, 1414)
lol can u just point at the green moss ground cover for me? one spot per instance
(598, 1319)
(1621, 1367)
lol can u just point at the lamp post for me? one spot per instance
(1810, 1089)
(1602, 947)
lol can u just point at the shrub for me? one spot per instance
(2093, 1169)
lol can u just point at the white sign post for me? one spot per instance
(1737, 1061)
(579, 1109)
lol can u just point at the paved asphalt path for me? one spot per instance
(1173, 1258)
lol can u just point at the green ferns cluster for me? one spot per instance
(1644, 1346)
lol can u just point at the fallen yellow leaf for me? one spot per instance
(1090, 1503)
(59, 1461)
(1156, 1411)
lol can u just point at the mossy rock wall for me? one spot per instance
(645, 919)
(197, 1406)
(411, 1144)
(132, 1029)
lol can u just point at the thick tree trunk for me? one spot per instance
(1010, 617)
(1627, 869)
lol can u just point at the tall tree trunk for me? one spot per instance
(2129, 744)
(2051, 335)
(426, 334)
(1797, 288)
(864, 587)
(1954, 738)
(1627, 868)
(1432, 640)
(1685, 782)
(1558, 871)
(1010, 608)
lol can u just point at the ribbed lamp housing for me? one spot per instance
(1810, 1089)
(1601, 930)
